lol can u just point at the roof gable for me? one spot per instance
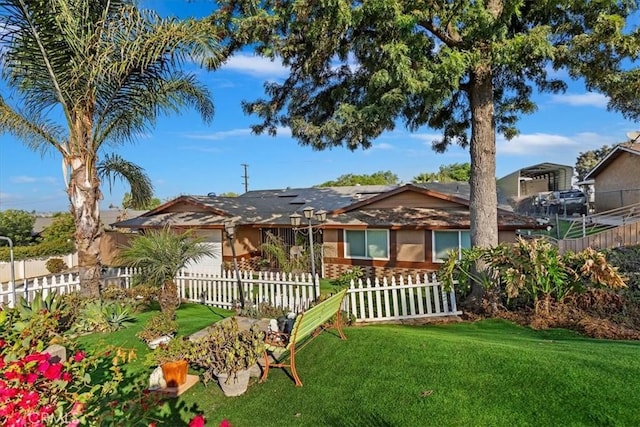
(430, 198)
(627, 147)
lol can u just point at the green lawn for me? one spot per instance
(489, 373)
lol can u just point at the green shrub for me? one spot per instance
(532, 272)
(102, 316)
(160, 325)
(56, 265)
(41, 250)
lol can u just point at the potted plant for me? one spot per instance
(227, 354)
(173, 357)
(159, 329)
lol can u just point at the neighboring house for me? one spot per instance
(616, 178)
(383, 229)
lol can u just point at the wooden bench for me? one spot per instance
(304, 329)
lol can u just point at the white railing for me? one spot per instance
(60, 283)
(386, 300)
(280, 290)
(368, 301)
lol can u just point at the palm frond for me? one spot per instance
(36, 132)
(162, 253)
(114, 166)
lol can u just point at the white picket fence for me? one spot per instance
(27, 288)
(368, 301)
(402, 299)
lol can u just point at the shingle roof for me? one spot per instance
(273, 207)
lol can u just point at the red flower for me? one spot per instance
(53, 372)
(66, 376)
(197, 421)
(31, 378)
(152, 424)
(79, 356)
(225, 423)
(2, 343)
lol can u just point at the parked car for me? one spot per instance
(568, 202)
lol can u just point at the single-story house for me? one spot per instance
(616, 178)
(397, 229)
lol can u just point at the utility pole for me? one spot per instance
(245, 177)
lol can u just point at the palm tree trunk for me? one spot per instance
(84, 195)
(168, 299)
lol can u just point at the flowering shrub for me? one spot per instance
(37, 390)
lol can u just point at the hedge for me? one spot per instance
(41, 250)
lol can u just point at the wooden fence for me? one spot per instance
(401, 299)
(368, 301)
(624, 235)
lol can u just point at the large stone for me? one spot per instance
(156, 379)
(58, 353)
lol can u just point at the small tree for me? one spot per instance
(587, 160)
(16, 225)
(160, 254)
(62, 228)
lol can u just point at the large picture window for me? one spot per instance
(373, 244)
(446, 241)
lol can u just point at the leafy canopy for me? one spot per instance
(377, 178)
(16, 225)
(455, 172)
(587, 160)
(161, 254)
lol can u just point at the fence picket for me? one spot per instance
(385, 299)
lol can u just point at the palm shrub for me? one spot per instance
(160, 255)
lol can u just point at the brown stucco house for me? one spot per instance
(398, 229)
(617, 178)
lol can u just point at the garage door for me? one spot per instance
(209, 264)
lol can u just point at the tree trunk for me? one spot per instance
(168, 298)
(483, 202)
(84, 195)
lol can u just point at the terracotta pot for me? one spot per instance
(175, 373)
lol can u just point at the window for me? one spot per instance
(446, 241)
(366, 244)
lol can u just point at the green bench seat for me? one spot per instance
(307, 325)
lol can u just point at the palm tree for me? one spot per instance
(160, 255)
(91, 73)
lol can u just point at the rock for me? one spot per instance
(162, 340)
(58, 353)
(156, 379)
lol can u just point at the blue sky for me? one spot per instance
(182, 155)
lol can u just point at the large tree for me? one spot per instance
(92, 73)
(468, 68)
(587, 160)
(377, 178)
(446, 173)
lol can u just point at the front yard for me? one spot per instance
(490, 372)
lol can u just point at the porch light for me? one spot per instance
(296, 221)
(230, 230)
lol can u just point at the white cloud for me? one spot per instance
(427, 138)
(581, 100)
(540, 143)
(217, 136)
(383, 146)
(255, 66)
(25, 179)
